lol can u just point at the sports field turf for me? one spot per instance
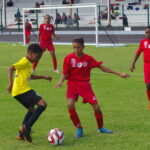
(123, 102)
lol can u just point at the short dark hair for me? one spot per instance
(34, 48)
(79, 40)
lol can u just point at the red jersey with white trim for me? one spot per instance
(78, 69)
(46, 32)
(145, 48)
(28, 27)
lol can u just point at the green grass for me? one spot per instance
(123, 102)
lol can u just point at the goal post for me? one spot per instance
(63, 8)
(88, 22)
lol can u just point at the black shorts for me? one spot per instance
(28, 99)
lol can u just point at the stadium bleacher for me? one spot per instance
(136, 17)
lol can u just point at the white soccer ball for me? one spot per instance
(55, 136)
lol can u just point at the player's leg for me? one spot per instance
(85, 91)
(99, 118)
(29, 99)
(26, 118)
(54, 60)
(74, 117)
(22, 98)
(33, 118)
(28, 114)
(27, 37)
(147, 80)
(35, 64)
(35, 115)
(148, 93)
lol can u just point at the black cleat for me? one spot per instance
(26, 133)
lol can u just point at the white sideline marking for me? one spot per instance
(95, 72)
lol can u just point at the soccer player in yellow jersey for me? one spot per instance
(21, 91)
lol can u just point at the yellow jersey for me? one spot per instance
(22, 76)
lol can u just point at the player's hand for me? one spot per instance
(49, 78)
(9, 88)
(124, 75)
(58, 85)
(132, 68)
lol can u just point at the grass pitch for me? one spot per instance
(123, 102)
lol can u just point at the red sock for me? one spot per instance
(34, 65)
(74, 117)
(54, 63)
(99, 119)
(26, 41)
(148, 94)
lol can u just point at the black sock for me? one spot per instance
(35, 116)
(27, 116)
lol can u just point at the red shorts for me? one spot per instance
(47, 45)
(27, 33)
(83, 89)
(147, 72)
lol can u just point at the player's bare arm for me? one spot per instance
(38, 40)
(35, 77)
(132, 68)
(105, 69)
(56, 36)
(10, 78)
(62, 79)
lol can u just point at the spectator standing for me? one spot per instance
(125, 21)
(69, 21)
(64, 18)
(10, 3)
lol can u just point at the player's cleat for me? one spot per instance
(26, 133)
(56, 71)
(79, 133)
(20, 135)
(104, 130)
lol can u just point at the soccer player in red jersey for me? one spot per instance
(76, 69)
(145, 48)
(46, 34)
(28, 28)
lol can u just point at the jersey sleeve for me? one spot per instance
(140, 49)
(20, 64)
(94, 63)
(66, 66)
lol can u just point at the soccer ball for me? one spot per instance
(55, 136)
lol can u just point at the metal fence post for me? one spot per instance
(122, 15)
(99, 15)
(148, 16)
(77, 19)
(1, 15)
(56, 22)
(37, 23)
